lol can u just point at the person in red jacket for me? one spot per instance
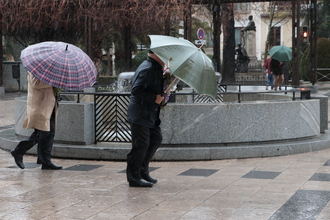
(269, 74)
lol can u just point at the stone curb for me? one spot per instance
(118, 151)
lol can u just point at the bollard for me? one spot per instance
(305, 93)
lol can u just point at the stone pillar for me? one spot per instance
(2, 91)
(250, 41)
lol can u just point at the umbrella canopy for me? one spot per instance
(281, 53)
(186, 62)
(60, 65)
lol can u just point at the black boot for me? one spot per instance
(18, 159)
(39, 161)
(22, 147)
(45, 145)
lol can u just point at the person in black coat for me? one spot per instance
(276, 68)
(143, 115)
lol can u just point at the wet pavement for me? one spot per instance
(285, 187)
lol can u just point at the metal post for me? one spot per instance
(293, 95)
(193, 96)
(95, 142)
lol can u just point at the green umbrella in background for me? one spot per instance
(281, 53)
(187, 62)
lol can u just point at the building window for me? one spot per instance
(237, 36)
(275, 36)
(242, 7)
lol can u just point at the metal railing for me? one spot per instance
(111, 123)
(110, 109)
(323, 74)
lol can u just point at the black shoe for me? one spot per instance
(18, 159)
(139, 183)
(148, 178)
(50, 166)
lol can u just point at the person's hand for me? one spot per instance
(159, 99)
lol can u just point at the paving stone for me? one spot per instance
(261, 174)
(320, 177)
(83, 167)
(198, 172)
(327, 163)
(304, 204)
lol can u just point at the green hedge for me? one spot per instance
(323, 53)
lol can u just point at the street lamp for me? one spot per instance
(305, 33)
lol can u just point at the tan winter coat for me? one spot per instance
(40, 104)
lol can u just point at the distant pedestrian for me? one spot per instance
(276, 68)
(41, 113)
(268, 73)
(143, 115)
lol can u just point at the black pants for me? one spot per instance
(145, 142)
(44, 139)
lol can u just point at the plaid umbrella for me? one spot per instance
(60, 65)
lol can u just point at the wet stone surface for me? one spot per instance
(261, 175)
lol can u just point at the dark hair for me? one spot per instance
(149, 51)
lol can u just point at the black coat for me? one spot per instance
(276, 67)
(146, 84)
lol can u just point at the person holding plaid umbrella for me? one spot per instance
(51, 66)
(41, 113)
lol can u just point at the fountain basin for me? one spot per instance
(200, 123)
(197, 131)
(240, 122)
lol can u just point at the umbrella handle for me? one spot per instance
(171, 85)
(167, 69)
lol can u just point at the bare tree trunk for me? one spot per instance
(313, 41)
(228, 24)
(128, 47)
(167, 27)
(268, 41)
(187, 20)
(216, 36)
(1, 52)
(88, 35)
(296, 42)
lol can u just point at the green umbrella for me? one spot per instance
(281, 53)
(187, 62)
